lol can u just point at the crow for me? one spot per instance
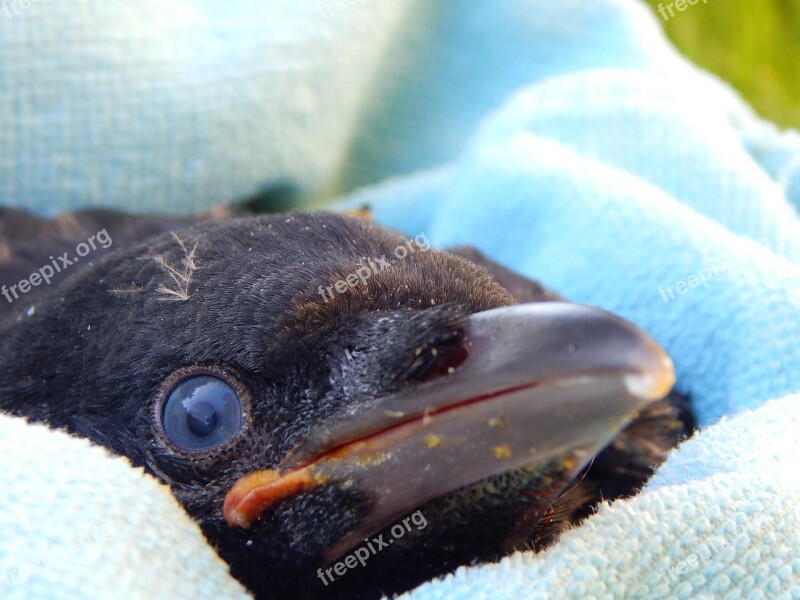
(344, 411)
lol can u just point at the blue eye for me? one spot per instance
(202, 411)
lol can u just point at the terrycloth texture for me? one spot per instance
(565, 139)
(77, 523)
(174, 106)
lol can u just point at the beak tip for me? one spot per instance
(655, 382)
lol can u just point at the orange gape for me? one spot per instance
(254, 493)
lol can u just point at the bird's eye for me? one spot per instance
(200, 412)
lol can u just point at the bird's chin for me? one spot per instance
(478, 523)
(295, 549)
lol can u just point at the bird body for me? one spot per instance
(320, 401)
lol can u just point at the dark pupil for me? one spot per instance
(202, 419)
(202, 411)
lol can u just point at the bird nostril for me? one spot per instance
(444, 362)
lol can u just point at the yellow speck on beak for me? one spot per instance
(432, 441)
(321, 478)
(503, 451)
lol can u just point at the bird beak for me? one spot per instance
(542, 386)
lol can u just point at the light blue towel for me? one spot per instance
(77, 523)
(565, 139)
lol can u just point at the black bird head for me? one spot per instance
(343, 411)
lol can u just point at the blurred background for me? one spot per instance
(752, 44)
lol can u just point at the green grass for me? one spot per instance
(753, 44)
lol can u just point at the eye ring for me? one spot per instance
(168, 388)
